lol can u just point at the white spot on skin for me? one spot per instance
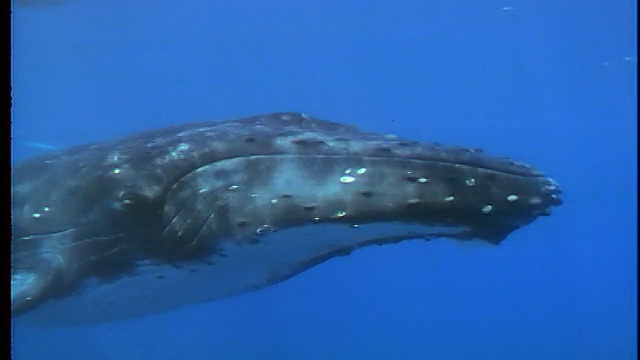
(535, 200)
(116, 171)
(552, 181)
(470, 181)
(361, 171)
(273, 201)
(233, 187)
(422, 180)
(36, 215)
(512, 197)
(449, 198)
(347, 171)
(339, 214)
(46, 208)
(487, 209)
(347, 179)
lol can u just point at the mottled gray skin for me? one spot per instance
(180, 193)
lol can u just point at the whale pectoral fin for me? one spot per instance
(50, 265)
(38, 268)
(31, 285)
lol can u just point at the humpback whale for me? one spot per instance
(196, 212)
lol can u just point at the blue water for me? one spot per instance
(552, 83)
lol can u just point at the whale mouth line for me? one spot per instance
(529, 174)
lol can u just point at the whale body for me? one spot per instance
(196, 212)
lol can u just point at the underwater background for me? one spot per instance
(551, 83)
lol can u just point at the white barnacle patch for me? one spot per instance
(113, 158)
(512, 197)
(552, 184)
(178, 152)
(470, 181)
(339, 214)
(487, 209)
(347, 179)
(449, 198)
